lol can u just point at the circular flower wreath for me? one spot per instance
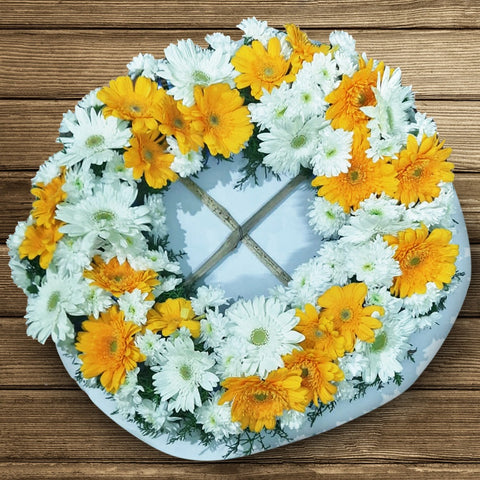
(94, 261)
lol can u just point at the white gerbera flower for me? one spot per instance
(94, 137)
(47, 311)
(326, 218)
(107, 214)
(376, 216)
(159, 417)
(144, 65)
(373, 263)
(390, 347)
(420, 304)
(184, 371)
(212, 329)
(272, 108)
(188, 65)
(265, 330)
(217, 419)
(135, 306)
(389, 125)
(152, 345)
(207, 296)
(290, 144)
(322, 70)
(185, 164)
(332, 158)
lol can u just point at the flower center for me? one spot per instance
(200, 77)
(103, 215)
(135, 108)
(346, 314)
(259, 337)
(298, 141)
(148, 155)
(368, 267)
(354, 176)
(260, 397)
(113, 346)
(380, 342)
(330, 215)
(185, 372)
(417, 173)
(304, 373)
(268, 71)
(53, 301)
(414, 261)
(214, 120)
(331, 153)
(178, 123)
(94, 141)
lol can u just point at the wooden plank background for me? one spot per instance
(51, 54)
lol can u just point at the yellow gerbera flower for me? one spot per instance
(109, 349)
(135, 102)
(318, 373)
(303, 48)
(261, 68)
(319, 333)
(172, 314)
(257, 403)
(48, 197)
(351, 95)
(345, 306)
(363, 178)
(147, 156)
(40, 241)
(221, 117)
(423, 258)
(119, 278)
(420, 168)
(173, 122)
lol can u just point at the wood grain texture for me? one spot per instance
(81, 60)
(218, 14)
(54, 52)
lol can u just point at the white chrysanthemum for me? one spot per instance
(188, 65)
(107, 214)
(19, 267)
(79, 183)
(16, 238)
(158, 215)
(306, 98)
(373, 263)
(333, 154)
(73, 255)
(376, 216)
(343, 48)
(184, 371)
(68, 117)
(95, 300)
(381, 296)
(212, 329)
(127, 398)
(207, 296)
(94, 137)
(167, 284)
(266, 331)
(308, 283)
(229, 356)
(185, 164)
(389, 125)
(257, 30)
(290, 144)
(352, 365)
(115, 171)
(342, 41)
(322, 70)
(326, 218)
(219, 41)
(158, 417)
(135, 306)
(47, 311)
(217, 419)
(346, 390)
(332, 263)
(91, 100)
(427, 321)
(423, 126)
(390, 347)
(437, 213)
(292, 419)
(144, 65)
(157, 260)
(420, 304)
(152, 345)
(272, 107)
(49, 170)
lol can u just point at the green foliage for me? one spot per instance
(319, 411)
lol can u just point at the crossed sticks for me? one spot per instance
(240, 233)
